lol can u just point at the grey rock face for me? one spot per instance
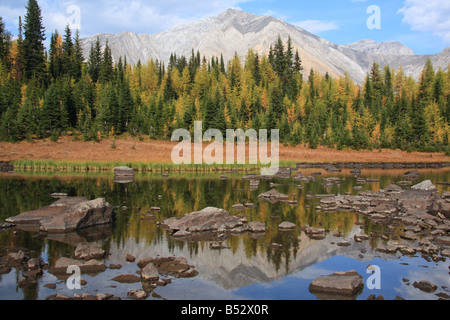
(236, 32)
(388, 47)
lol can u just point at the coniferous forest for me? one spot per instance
(48, 93)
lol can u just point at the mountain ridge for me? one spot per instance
(235, 31)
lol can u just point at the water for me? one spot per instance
(249, 269)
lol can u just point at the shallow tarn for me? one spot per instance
(237, 266)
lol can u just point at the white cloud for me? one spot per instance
(429, 16)
(317, 26)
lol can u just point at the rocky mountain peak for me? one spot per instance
(388, 47)
(235, 31)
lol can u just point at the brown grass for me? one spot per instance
(129, 149)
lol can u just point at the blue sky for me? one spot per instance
(422, 25)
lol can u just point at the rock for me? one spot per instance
(90, 267)
(276, 246)
(331, 168)
(409, 235)
(50, 286)
(411, 175)
(15, 259)
(404, 183)
(273, 195)
(88, 251)
(126, 278)
(123, 172)
(177, 267)
(283, 173)
(67, 215)
(4, 269)
(425, 286)
(314, 231)
(6, 166)
(6, 225)
(360, 237)
(444, 240)
(130, 258)
(35, 264)
(181, 234)
(343, 244)
(150, 273)
(287, 225)
(137, 294)
(256, 226)
(393, 188)
(345, 284)
(103, 296)
(426, 185)
(58, 195)
(58, 296)
(208, 219)
(238, 206)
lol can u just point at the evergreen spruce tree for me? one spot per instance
(95, 61)
(19, 63)
(67, 53)
(106, 72)
(33, 44)
(5, 46)
(55, 59)
(77, 57)
(51, 115)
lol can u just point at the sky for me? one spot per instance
(422, 25)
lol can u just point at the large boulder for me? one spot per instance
(208, 219)
(344, 284)
(67, 215)
(123, 172)
(426, 185)
(89, 267)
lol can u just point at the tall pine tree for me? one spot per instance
(34, 42)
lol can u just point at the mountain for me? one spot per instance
(388, 47)
(236, 31)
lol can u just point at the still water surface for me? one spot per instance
(249, 268)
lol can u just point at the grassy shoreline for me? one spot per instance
(163, 167)
(108, 166)
(155, 156)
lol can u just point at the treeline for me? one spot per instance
(49, 94)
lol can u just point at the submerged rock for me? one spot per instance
(90, 267)
(126, 278)
(88, 251)
(167, 266)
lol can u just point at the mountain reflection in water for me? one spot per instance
(248, 267)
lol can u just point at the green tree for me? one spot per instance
(5, 45)
(33, 44)
(106, 71)
(95, 61)
(52, 115)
